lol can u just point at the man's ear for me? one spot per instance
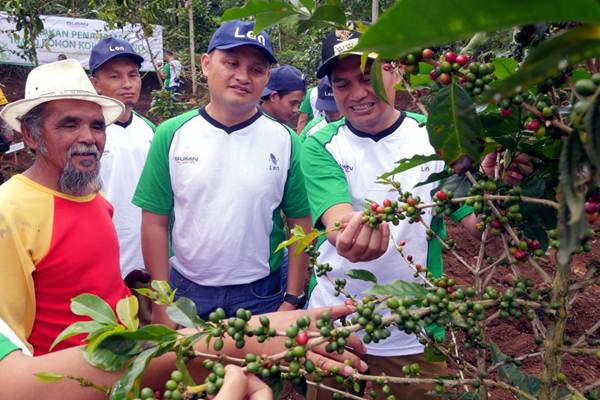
(96, 84)
(205, 61)
(274, 96)
(28, 139)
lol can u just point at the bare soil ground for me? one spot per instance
(515, 337)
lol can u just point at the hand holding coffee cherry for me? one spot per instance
(358, 241)
(393, 211)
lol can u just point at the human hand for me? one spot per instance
(358, 242)
(238, 385)
(519, 167)
(317, 354)
(159, 316)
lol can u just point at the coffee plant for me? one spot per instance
(523, 144)
(166, 104)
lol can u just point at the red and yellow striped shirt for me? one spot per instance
(53, 247)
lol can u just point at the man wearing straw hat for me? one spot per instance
(57, 238)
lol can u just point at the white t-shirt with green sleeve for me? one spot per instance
(226, 188)
(124, 156)
(341, 165)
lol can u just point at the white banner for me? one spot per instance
(75, 37)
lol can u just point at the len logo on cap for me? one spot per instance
(249, 35)
(116, 48)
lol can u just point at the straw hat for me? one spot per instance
(60, 80)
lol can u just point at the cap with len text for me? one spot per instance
(109, 48)
(325, 99)
(240, 33)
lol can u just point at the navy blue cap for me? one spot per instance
(325, 99)
(109, 48)
(285, 79)
(335, 43)
(239, 33)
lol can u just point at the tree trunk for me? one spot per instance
(156, 69)
(374, 10)
(190, 8)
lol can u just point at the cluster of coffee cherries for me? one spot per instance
(263, 331)
(586, 240)
(237, 327)
(313, 254)
(375, 214)
(297, 339)
(482, 186)
(392, 211)
(261, 366)
(337, 337)
(442, 202)
(411, 61)
(535, 126)
(371, 321)
(526, 247)
(544, 105)
(405, 320)
(510, 208)
(449, 64)
(510, 308)
(340, 284)
(536, 123)
(174, 389)
(471, 312)
(478, 78)
(214, 380)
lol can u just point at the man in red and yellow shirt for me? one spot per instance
(57, 239)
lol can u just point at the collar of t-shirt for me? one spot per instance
(232, 128)
(379, 135)
(126, 123)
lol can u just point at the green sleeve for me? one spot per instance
(154, 192)
(295, 202)
(6, 347)
(461, 213)
(305, 105)
(420, 118)
(326, 183)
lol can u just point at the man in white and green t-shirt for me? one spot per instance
(326, 104)
(115, 70)
(341, 164)
(224, 174)
(171, 72)
(308, 109)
